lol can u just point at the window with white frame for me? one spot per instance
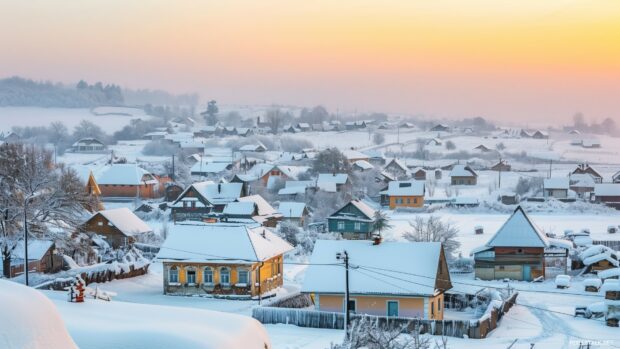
(173, 275)
(358, 226)
(207, 277)
(243, 276)
(225, 276)
(340, 225)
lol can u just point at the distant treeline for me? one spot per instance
(20, 92)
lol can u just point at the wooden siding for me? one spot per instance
(464, 180)
(100, 225)
(406, 201)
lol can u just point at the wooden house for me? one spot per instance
(88, 145)
(587, 169)
(398, 169)
(264, 214)
(403, 194)
(616, 177)
(354, 155)
(333, 182)
(419, 174)
(608, 194)
(419, 294)
(172, 192)
(557, 188)
(201, 198)
(502, 165)
(582, 184)
(362, 166)
(463, 175)
(483, 148)
(119, 227)
(517, 251)
(440, 128)
(296, 212)
(229, 260)
(42, 258)
(127, 180)
(355, 220)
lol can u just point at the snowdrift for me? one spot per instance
(29, 320)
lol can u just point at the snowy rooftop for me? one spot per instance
(397, 260)
(217, 193)
(125, 220)
(518, 231)
(405, 188)
(364, 165)
(292, 209)
(337, 178)
(205, 166)
(221, 243)
(123, 174)
(556, 183)
(36, 249)
(239, 208)
(351, 154)
(459, 170)
(264, 208)
(607, 189)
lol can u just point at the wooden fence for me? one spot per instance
(613, 244)
(321, 319)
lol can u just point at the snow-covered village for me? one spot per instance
(262, 212)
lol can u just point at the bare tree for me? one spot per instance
(433, 229)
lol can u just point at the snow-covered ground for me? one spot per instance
(115, 119)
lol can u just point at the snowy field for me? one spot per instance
(115, 118)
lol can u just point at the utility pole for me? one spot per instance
(345, 257)
(397, 134)
(173, 167)
(26, 239)
(550, 166)
(499, 173)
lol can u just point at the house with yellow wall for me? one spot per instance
(403, 194)
(222, 259)
(391, 279)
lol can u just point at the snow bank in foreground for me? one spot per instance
(28, 320)
(97, 324)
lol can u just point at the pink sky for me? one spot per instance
(506, 60)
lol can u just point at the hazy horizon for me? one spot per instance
(513, 62)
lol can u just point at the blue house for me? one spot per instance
(356, 220)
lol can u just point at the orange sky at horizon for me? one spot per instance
(495, 58)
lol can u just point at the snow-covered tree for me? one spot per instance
(433, 229)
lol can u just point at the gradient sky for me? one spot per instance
(527, 60)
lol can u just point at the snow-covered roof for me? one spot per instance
(36, 249)
(351, 154)
(518, 231)
(217, 193)
(399, 164)
(459, 170)
(253, 147)
(582, 180)
(124, 174)
(221, 243)
(205, 166)
(239, 208)
(264, 208)
(556, 183)
(337, 178)
(125, 221)
(292, 171)
(363, 164)
(607, 255)
(292, 209)
(607, 189)
(366, 210)
(405, 188)
(609, 273)
(87, 141)
(408, 268)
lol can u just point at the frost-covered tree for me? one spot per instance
(378, 138)
(52, 196)
(382, 222)
(210, 114)
(433, 229)
(331, 160)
